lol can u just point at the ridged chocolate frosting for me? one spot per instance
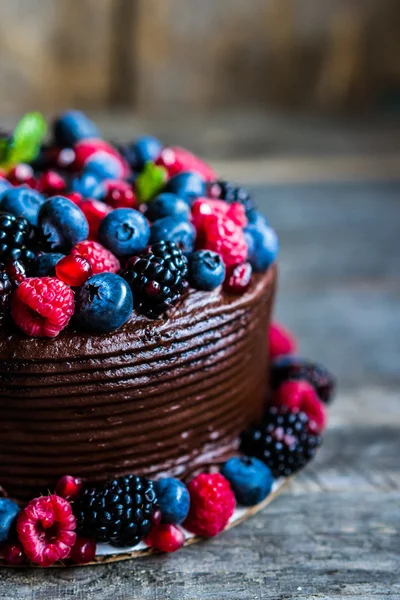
(154, 398)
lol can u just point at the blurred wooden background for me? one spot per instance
(166, 55)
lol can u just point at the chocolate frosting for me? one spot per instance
(154, 398)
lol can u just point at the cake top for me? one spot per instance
(95, 235)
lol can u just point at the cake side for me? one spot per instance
(153, 398)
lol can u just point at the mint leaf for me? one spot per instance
(150, 181)
(26, 139)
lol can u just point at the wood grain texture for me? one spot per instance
(334, 534)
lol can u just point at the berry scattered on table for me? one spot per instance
(73, 270)
(101, 259)
(165, 538)
(294, 367)
(14, 554)
(62, 224)
(44, 264)
(206, 270)
(301, 395)
(174, 229)
(157, 278)
(8, 514)
(42, 306)
(212, 503)
(118, 512)
(283, 441)
(173, 500)
(124, 232)
(281, 341)
(69, 487)
(83, 551)
(250, 479)
(46, 530)
(103, 303)
(238, 278)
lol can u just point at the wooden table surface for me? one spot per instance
(335, 531)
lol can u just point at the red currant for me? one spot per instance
(73, 270)
(50, 183)
(238, 278)
(75, 197)
(120, 194)
(22, 174)
(156, 517)
(94, 211)
(83, 551)
(69, 487)
(14, 555)
(166, 538)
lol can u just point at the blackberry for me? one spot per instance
(5, 293)
(282, 441)
(118, 512)
(157, 278)
(16, 239)
(295, 368)
(228, 191)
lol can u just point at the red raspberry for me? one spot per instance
(74, 270)
(202, 207)
(212, 503)
(50, 183)
(301, 395)
(83, 552)
(14, 554)
(69, 487)
(94, 211)
(281, 341)
(238, 278)
(166, 538)
(101, 259)
(46, 530)
(176, 160)
(22, 174)
(225, 237)
(42, 306)
(119, 194)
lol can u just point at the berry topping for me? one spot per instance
(238, 278)
(174, 229)
(88, 185)
(124, 231)
(72, 126)
(250, 479)
(16, 271)
(42, 306)
(301, 395)
(212, 503)
(62, 224)
(166, 538)
(15, 239)
(294, 367)
(230, 193)
(85, 149)
(101, 259)
(157, 278)
(22, 174)
(206, 270)
(51, 183)
(103, 303)
(203, 207)
(106, 166)
(176, 160)
(263, 245)
(44, 264)
(118, 512)
(283, 441)
(5, 293)
(167, 205)
(145, 149)
(187, 184)
(73, 270)
(68, 487)
(119, 194)
(83, 552)
(46, 530)
(280, 340)
(23, 202)
(173, 500)
(222, 235)
(94, 211)
(8, 513)
(14, 554)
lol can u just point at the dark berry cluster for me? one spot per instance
(15, 239)
(228, 191)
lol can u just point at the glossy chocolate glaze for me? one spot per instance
(154, 398)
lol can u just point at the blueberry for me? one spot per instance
(44, 264)
(173, 500)
(167, 205)
(187, 184)
(263, 245)
(104, 166)
(174, 229)
(4, 187)
(145, 149)
(62, 224)
(8, 513)
(89, 185)
(250, 479)
(124, 231)
(72, 126)
(206, 270)
(103, 303)
(23, 202)
(254, 217)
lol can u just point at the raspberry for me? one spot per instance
(225, 237)
(212, 503)
(69, 487)
(238, 278)
(94, 211)
(46, 530)
(73, 270)
(202, 207)
(166, 538)
(101, 259)
(42, 306)
(176, 160)
(281, 341)
(301, 395)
